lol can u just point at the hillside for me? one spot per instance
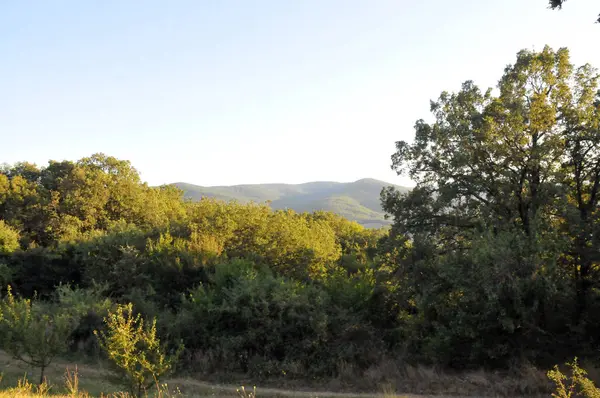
(358, 201)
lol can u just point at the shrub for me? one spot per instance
(88, 307)
(33, 334)
(248, 320)
(135, 349)
(578, 385)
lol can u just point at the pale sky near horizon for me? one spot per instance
(238, 91)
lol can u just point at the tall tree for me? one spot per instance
(521, 163)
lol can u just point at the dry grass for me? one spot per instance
(387, 380)
(526, 381)
(398, 378)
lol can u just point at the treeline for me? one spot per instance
(492, 260)
(245, 288)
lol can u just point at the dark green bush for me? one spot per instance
(245, 319)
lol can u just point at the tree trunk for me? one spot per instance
(42, 378)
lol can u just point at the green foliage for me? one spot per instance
(251, 321)
(87, 307)
(38, 270)
(245, 319)
(482, 300)
(69, 200)
(78, 302)
(358, 244)
(358, 323)
(504, 216)
(491, 258)
(9, 239)
(135, 350)
(33, 332)
(578, 385)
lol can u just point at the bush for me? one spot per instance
(135, 349)
(578, 385)
(88, 307)
(248, 320)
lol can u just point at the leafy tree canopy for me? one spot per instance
(506, 200)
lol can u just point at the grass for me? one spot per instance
(66, 379)
(383, 381)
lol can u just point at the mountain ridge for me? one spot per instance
(357, 201)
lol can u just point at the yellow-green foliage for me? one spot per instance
(69, 200)
(290, 243)
(293, 244)
(9, 238)
(25, 389)
(578, 385)
(135, 349)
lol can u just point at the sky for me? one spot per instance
(222, 92)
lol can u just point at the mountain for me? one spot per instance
(358, 201)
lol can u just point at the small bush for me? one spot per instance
(578, 385)
(135, 349)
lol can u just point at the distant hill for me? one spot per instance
(358, 201)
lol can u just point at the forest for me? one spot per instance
(491, 262)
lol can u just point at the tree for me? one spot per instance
(134, 349)
(522, 162)
(9, 243)
(67, 201)
(21, 204)
(554, 4)
(33, 334)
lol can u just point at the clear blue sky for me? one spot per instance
(218, 92)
